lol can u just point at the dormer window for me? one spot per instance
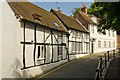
(36, 17)
(56, 25)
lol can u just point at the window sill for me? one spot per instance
(40, 59)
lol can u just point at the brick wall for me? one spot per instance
(118, 41)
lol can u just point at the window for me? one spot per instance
(87, 47)
(73, 46)
(40, 52)
(59, 38)
(80, 35)
(58, 27)
(36, 16)
(109, 44)
(92, 29)
(113, 34)
(99, 44)
(105, 44)
(76, 34)
(113, 44)
(73, 34)
(109, 32)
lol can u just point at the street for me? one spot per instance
(84, 67)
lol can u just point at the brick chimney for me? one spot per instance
(59, 10)
(84, 8)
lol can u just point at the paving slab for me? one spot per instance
(114, 70)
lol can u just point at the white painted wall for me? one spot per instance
(10, 25)
(1, 40)
(82, 37)
(101, 37)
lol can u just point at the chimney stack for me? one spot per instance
(59, 10)
(84, 8)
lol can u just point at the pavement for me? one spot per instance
(84, 67)
(113, 72)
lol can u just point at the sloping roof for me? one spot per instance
(69, 21)
(28, 10)
(86, 17)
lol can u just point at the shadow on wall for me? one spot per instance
(16, 70)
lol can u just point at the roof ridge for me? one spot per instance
(71, 22)
(86, 15)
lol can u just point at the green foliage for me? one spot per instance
(109, 14)
(75, 9)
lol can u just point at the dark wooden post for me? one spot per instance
(34, 45)
(52, 44)
(44, 47)
(100, 66)
(98, 75)
(108, 55)
(24, 46)
(113, 53)
(68, 48)
(105, 60)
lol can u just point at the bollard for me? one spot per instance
(101, 67)
(113, 54)
(98, 74)
(105, 60)
(108, 55)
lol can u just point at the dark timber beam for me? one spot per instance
(67, 47)
(24, 65)
(44, 47)
(34, 45)
(61, 46)
(52, 44)
(55, 38)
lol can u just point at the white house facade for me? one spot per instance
(78, 34)
(99, 42)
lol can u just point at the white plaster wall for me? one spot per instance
(83, 44)
(98, 36)
(29, 50)
(1, 40)
(10, 25)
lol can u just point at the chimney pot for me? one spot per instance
(84, 8)
(59, 10)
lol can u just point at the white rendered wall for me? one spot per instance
(81, 39)
(1, 40)
(101, 37)
(10, 25)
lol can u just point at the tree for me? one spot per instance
(108, 13)
(75, 9)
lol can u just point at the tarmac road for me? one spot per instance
(84, 67)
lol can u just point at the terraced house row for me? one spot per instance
(36, 40)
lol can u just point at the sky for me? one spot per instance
(66, 7)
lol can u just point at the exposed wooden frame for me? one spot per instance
(24, 64)
(34, 45)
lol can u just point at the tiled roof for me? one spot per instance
(86, 17)
(69, 21)
(33, 13)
